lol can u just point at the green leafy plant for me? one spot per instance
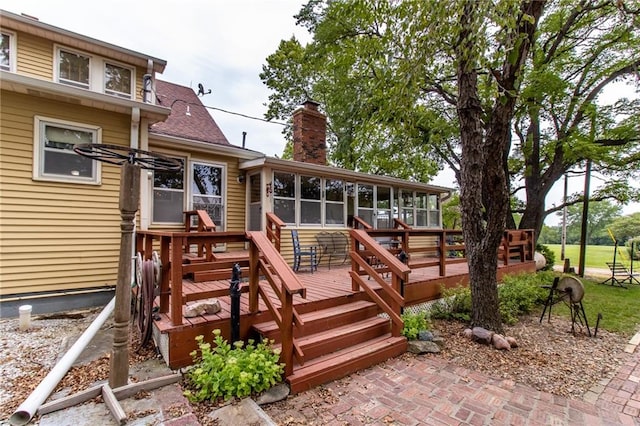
(225, 371)
(549, 256)
(455, 304)
(519, 294)
(414, 323)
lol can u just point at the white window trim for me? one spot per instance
(56, 67)
(38, 152)
(13, 49)
(129, 95)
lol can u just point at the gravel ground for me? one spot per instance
(549, 357)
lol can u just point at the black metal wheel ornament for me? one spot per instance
(119, 155)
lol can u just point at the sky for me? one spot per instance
(219, 43)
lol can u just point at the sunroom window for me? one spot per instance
(73, 68)
(310, 202)
(54, 157)
(334, 202)
(284, 196)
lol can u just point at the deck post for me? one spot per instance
(176, 280)
(287, 333)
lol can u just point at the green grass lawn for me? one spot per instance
(618, 306)
(595, 256)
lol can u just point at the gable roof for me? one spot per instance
(189, 119)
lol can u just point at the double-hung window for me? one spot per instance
(118, 80)
(74, 68)
(7, 51)
(168, 196)
(207, 186)
(54, 158)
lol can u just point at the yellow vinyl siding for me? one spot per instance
(34, 56)
(55, 236)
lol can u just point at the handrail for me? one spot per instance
(399, 274)
(274, 229)
(359, 222)
(266, 260)
(398, 224)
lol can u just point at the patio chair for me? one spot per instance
(300, 251)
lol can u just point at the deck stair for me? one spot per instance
(338, 341)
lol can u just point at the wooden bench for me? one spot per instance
(516, 243)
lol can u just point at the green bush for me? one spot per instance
(549, 256)
(520, 294)
(636, 247)
(414, 324)
(455, 304)
(226, 372)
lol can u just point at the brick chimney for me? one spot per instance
(309, 134)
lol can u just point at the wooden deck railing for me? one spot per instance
(274, 229)
(265, 260)
(360, 223)
(363, 249)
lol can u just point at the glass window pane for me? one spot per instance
(74, 69)
(285, 210)
(169, 179)
(213, 206)
(168, 206)
(117, 80)
(309, 188)
(433, 202)
(421, 218)
(367, 216)
(207, 180)
(334, 213)
(365, 196)
(421, 200)
(284, 185)
(59, 157)
(383, 219)
(434, 218)
(5, 51)
(310, 212)
(383, 197)
(407, 216)
(406, 198)
(334, 190)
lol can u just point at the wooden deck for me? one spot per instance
(325, 288)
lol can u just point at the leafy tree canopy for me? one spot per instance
(385, 74)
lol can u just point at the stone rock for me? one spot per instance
(425, 335)
(467, 333)
(273, 394)
(540, 260)
(499, 342)
(207, 306)
(436, 333)
(481, 335)
(422, 347)
(512, 341)
(438, 341)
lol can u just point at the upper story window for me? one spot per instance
(117, 80)
(79, 69)
(54, 158)
(7, 51)
(74, 68)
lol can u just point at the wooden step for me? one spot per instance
(346, 361)
(335, 339)
(323, 319)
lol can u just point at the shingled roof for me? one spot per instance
(189, 119)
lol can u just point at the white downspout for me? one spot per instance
(28, 408)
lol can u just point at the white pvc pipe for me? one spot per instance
(28, 408)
